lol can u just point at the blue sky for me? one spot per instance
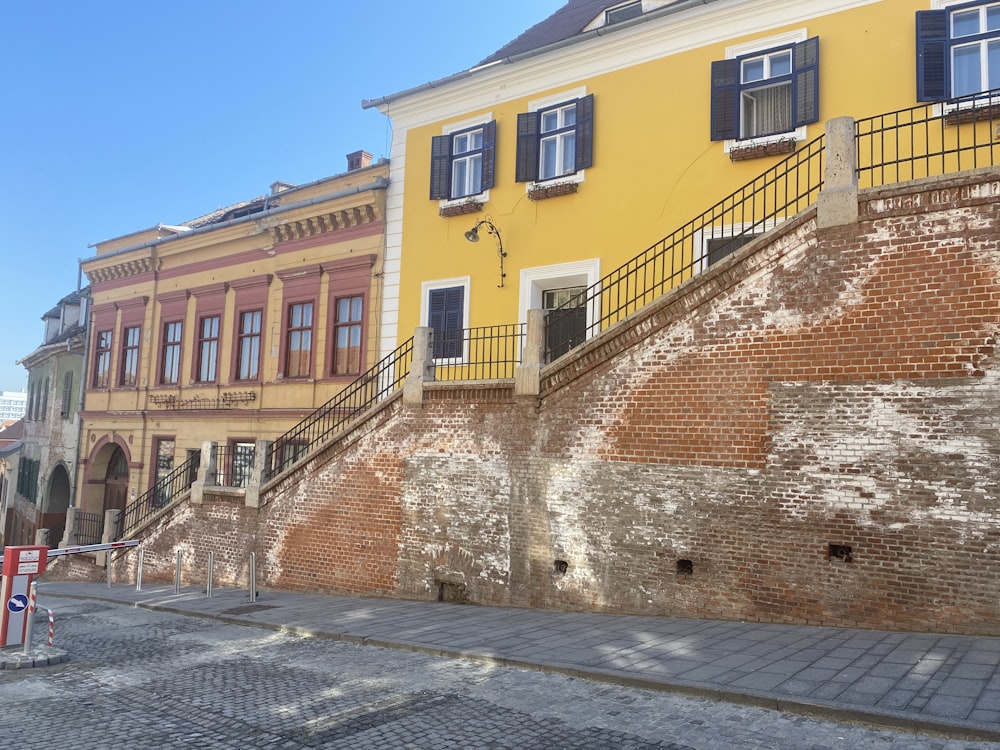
(118, 115)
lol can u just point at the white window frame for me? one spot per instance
(940, 108)
(426, 288)
(548, 102)
(747, 49)
(450, 130)
(536, 281)
(700, 238)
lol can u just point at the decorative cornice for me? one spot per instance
(122, 270)
(325, 223)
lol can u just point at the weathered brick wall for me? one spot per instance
(817, 392)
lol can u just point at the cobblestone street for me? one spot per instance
(145, 679)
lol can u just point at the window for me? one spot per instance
(766, 92)
(249, 345)
(242, 457)
(67, 395)
(208, 349)
(298, 353)
(623, 12)
(102, 359)
(130, 357)
(171, 365)
(45, 401)
(462, 162)
(446, 317)
(164, 466)
(958, 51)
(347, 336)
(555, 141)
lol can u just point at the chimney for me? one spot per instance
(358, 160)
(280, 187)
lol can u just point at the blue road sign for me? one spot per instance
(17, 603)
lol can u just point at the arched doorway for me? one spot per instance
(55, 503)
(116, 481)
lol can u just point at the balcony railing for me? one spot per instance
(486, 353)
(234, 464)
(375, 385)
(929, 140)
(89, 528)
(166, 490)
(788, 187)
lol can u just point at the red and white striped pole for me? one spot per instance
(52, 627)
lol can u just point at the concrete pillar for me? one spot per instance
(528, 377)
(112, 532)
(69, 533)
(42, 537)
(251, 498)
(422, 368)
(838, 201)
(208, 472)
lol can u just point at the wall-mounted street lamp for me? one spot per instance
(473, 236)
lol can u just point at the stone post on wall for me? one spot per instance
(528, 377)
(208, 472)
(69, 533)
(251, 498)
(838, 201)
(42, 537)
(112, 521)
(422, 369)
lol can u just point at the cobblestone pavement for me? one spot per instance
(144, 679)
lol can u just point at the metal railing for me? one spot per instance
(486, 353)
(788, 187)
(234, 464)
(928, 140)
(376, 384)
(89, 528)
(169, 489)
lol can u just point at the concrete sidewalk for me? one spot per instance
(923, 682)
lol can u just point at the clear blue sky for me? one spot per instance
(118, 115)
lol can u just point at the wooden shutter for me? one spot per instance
(805, 81)
(441, 167)
(67, 393)
(725, 121)
(445, 313)
(489, 154)
(584, 132)
(527, 147)
(932, 55)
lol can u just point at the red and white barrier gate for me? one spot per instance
(20, 565)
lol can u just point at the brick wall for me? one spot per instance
(806, 433)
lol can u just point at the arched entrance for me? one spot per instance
(116, 481)
(55, 504)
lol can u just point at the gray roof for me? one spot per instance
(566, 22)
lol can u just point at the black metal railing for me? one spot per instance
(169, 489)
(376, 384)
(486, 353)
(89, 528)
(928, 140)
(234, 464)
(788, 187)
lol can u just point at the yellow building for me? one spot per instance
(230, 328)
(610, 125)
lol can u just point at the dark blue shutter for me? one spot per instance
(805, 82)
(527, 147)
(441, 167)
(932, 55)
(445, 313)
(584, 133)
(489, 154)
(725, 99)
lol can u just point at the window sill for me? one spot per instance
(760, 150)
(541, 192)
(470, 206)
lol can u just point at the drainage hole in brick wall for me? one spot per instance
(685, 567)
(560, 567)
(840, 552)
